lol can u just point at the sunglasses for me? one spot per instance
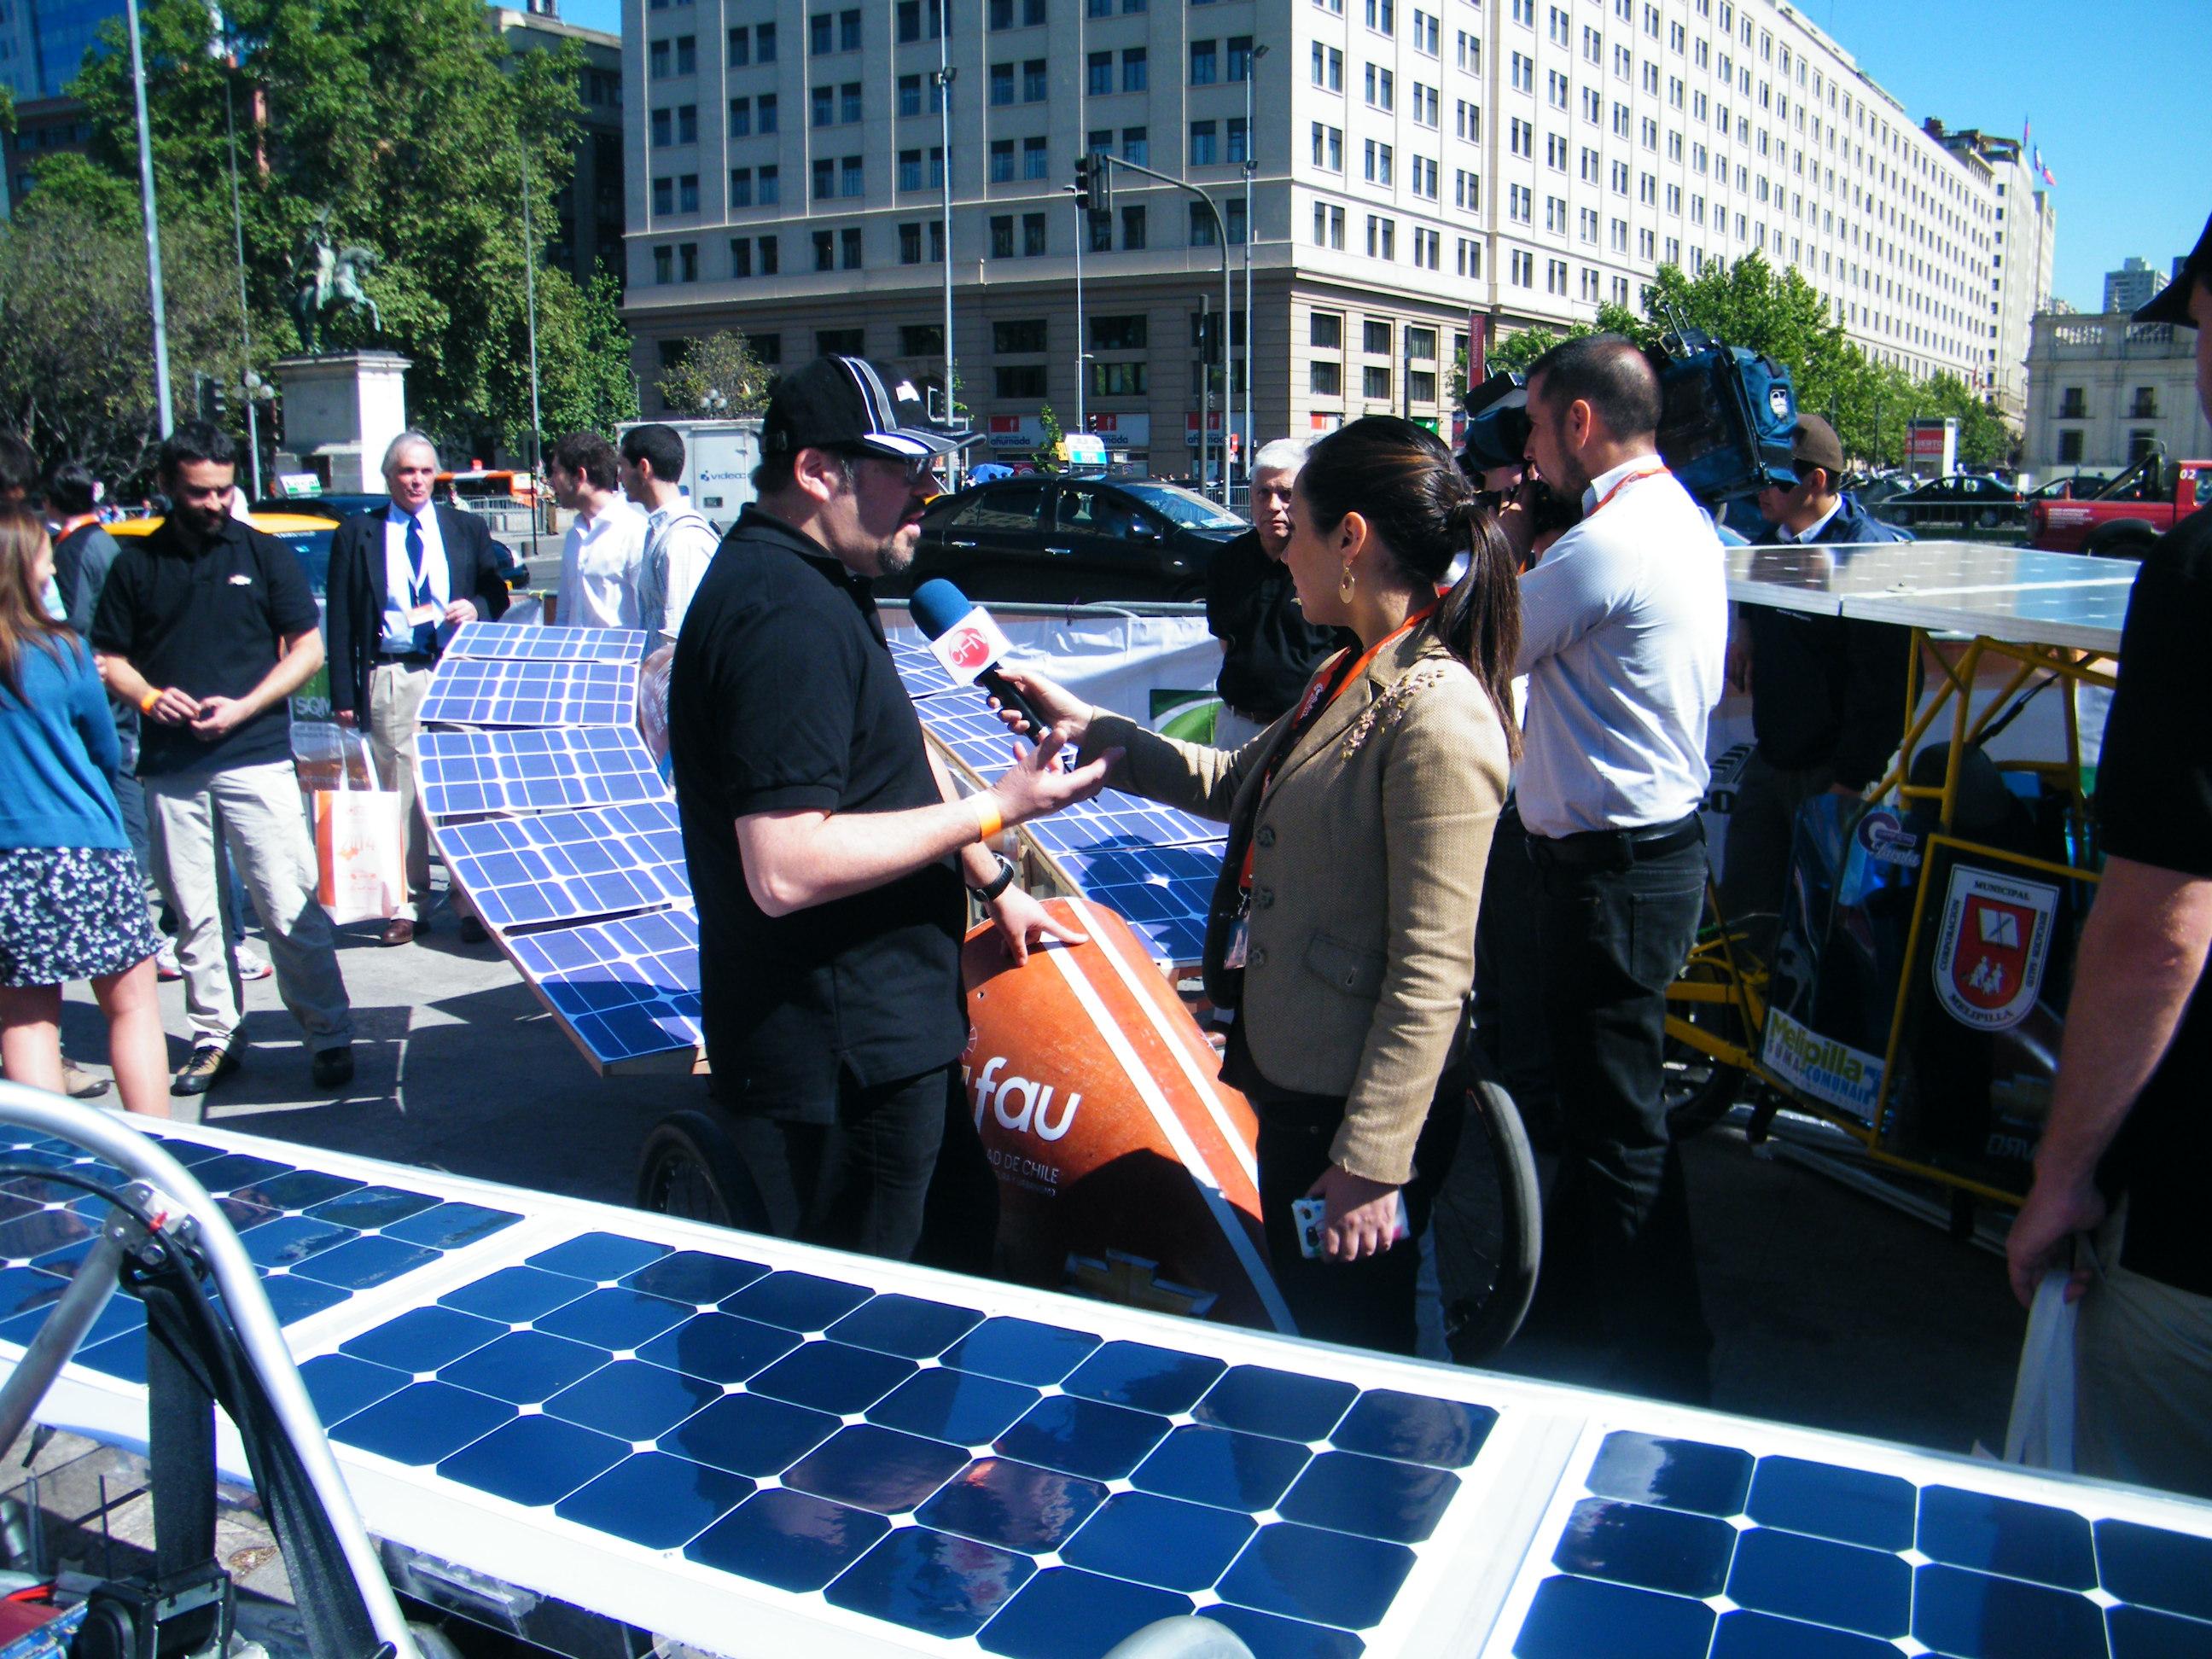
(918, 469)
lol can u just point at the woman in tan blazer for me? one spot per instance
(1342, 928)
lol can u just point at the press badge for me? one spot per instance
(1240, 935)
(423, 616)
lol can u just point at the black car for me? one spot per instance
(1963, 500)
(1071, 540)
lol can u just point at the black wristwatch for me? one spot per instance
(998, 883)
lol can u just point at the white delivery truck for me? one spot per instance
(719, 458)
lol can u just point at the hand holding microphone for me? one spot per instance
(969, 644)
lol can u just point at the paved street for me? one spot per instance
(1829, 1309)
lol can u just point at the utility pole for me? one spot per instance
(1082, 357)
(248, 380)
(943, 84)
(164, 413)
(1251, 166)
(530, 300)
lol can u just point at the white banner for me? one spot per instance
(1153, 669)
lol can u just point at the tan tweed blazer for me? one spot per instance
(1367, 866)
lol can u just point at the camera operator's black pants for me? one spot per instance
(1619, 1283)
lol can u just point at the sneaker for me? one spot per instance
(332, 1068)
(166, 965)
(251, 964)
(211, 1063)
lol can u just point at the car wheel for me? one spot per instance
(690, 1168)
(1190, 594)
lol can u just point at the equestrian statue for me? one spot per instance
(326, 276)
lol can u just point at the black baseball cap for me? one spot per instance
(849, 402)
(2171, 303)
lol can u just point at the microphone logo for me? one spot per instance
(965, 647)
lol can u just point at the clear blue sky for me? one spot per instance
(2116, 93)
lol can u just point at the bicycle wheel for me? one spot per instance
(1699, 1090)
(690, 1168)
(1487, 1227)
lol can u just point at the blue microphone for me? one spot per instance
(937, 607)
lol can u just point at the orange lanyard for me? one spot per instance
(1333, 679)
(1620, 484)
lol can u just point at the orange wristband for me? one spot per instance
(147, 706)
(988, 821)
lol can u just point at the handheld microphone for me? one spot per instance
(969, 644)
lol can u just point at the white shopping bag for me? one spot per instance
(360, 865)
(2041, 1435)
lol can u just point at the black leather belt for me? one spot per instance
(408, 658)
(1617, 849)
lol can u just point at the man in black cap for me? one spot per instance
(1827, 694)
(2124, 1154)
(827, 848)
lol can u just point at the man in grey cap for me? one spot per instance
(827, 847)
(1827, 695)
(2119, 1171)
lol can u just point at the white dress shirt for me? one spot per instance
(679, 545)
(598, 568)
(1624, 638)
(398, 635)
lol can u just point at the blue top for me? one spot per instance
(58, 752)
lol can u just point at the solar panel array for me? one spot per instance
(569, 866)
(531, 643)
(527, 691)
(627, 990)
(463, 774)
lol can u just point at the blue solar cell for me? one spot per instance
(1138, 1375)
(44, 1231)
(302, 1187)
(1974, 1615)
(1415, 1428)
(695, 1277)
(797, 1302)
(833, 1376)
(1231, 1470)
(11, 1206)
(1854, 1506)
(1286, 1404)
(954, 1405)
(876, 1468)
(371, 1206)
(534, 1459)
(1015, 1504)
(1021, 1351)
(603, 1258)
(633, 1400)
(750, 1434)
(1158, 1541)
(291, 1240)
(1822, 1583)
(1324, 1578)
(1038, 1622)
(235, 1169)
(656, 1500)
(1375, 1496)
(549, 769)
(360, 1264)
(1113, 821)
(2005, 1535)
(1271, 1637)
(719, 1347)
(615, 1319)
(422, 1339)
(626, 989)
(525, 1368)
(191, 1153)
(534, 642)
(292, 1298)
(121, 1316)
(1675, 1474)
(2154, 1567)
(450, 1226)
(906, 1325)
(1577, 1618)
(1745, 1635)
(930, 1582)
(340, 1385)
(25, 1288)
(1083, 1436)
(516, 1295)
(423, 1423)
(240, 1214)
(569, 866)
(1669, 1550)
(123, 1358)
(792, 1540)
(2144, 1633)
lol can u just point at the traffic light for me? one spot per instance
(211, 396)
(1094, 183)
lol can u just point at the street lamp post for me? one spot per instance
(944, 82)
(248, 380)
(1251, 166)
(1082, 230)
(166, 415)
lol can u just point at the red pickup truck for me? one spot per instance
(2124, 518)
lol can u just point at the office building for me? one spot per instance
(2132, 286)
(1416, 162)
(2102, 390)
(2023, 239)
(43, 43)
(588, 213)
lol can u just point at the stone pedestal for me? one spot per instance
(340, 413)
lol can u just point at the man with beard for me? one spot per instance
(207, 626)
(827, 848)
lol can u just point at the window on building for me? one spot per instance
(1024, 380)
(1205, 62)
(1130, 379)
(664, 265)
(1002, 160)
(1325, 379)
(687, 194)
(848, 248)
(1033, 234)
(1203, 148)
(2070, 447)
(1375, 382)
(1135, 71)
(1133, 228)
(825, 250)
(909, 242)
(1002, 236)
(1036, 158)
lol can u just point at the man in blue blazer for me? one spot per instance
(402, 579)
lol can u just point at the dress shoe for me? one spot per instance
(472, 931)
(79, 1084)
(332, 1068)
(399, 931)
(211, 1063)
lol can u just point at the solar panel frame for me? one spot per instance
(472, 771)
(516, 692)
(569, 866)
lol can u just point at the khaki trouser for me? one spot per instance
(395, 699)
(259, 808)
(2143, 1363)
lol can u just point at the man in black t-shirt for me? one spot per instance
(2129, 1145)
(826, 848)
(207, 626)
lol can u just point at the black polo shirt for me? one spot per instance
(782, 696)
(2154, 806)
(1269, 650)
(210, 621)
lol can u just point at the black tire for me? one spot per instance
(1190, 594)
(2128, 543)
(691, 1168)
(1700, 1090)
(1487, 1227)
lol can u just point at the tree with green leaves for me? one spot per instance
(720, 375)
(1047, 454)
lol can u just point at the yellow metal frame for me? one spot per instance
(1714, 975)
